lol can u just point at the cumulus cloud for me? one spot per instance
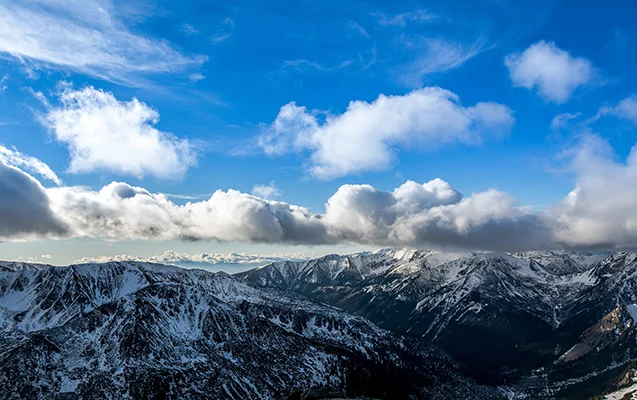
(433, 214)
(86, 36)
(171, 257)
(553, 72)
(601, 211)
(120, 211)
(266, 191)
(24, 207)
(106, 134)
(17, 159)
(425, 118)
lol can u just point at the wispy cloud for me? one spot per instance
(89, 37)
(436, 55)
(14, 158)
(3, 83)
(402, 19)
(356, 27)
(223, 31)
(302, 64)
(189, 30)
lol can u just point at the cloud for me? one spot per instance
(302, 65)
(222, 32)
(171, 257)
(401, 20)
(24, 207)
(424, 118)
(553, 72)
(188, 30)
(17, 159)
(105, 134)
(3, 83)
(437, 55)
(601, 211)
(90, 37)
(433, 214)
(625, 109)
(119, 211)
(563, 120)
(356, 27)
(266, 191)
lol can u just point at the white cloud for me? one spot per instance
(423, 118)
(553, 72)
(437, 55)
(625, 109)
(266, 191)
(120, 211)
(17, 159)
(86, 36)
(189, 30)
(103, 133)
(562, 121)
(401, 20)
(356, 27)
(433, 214)
(223, 31)
(602, 210)
(3, 83)
(171, 257)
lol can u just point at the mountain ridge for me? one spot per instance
(140, 330)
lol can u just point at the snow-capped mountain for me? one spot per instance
(137, 330)
(507, 316)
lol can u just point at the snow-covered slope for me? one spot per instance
(139, 330)
(518, 311)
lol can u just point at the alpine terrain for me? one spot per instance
(390, 324)
(542, 324)
(148, 331)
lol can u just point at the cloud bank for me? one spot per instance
(25, 209)
(600, 212)
(553, 72)
(423, 118)
(171, 257)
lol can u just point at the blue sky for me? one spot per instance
(281, 102)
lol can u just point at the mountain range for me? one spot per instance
(390, 324)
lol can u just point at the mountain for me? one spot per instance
(140, 330)
(509, 317)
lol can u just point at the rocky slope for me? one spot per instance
(138, 330)
(509, 317)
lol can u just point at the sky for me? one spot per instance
(244, 131)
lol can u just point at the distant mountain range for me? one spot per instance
(391, 324)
